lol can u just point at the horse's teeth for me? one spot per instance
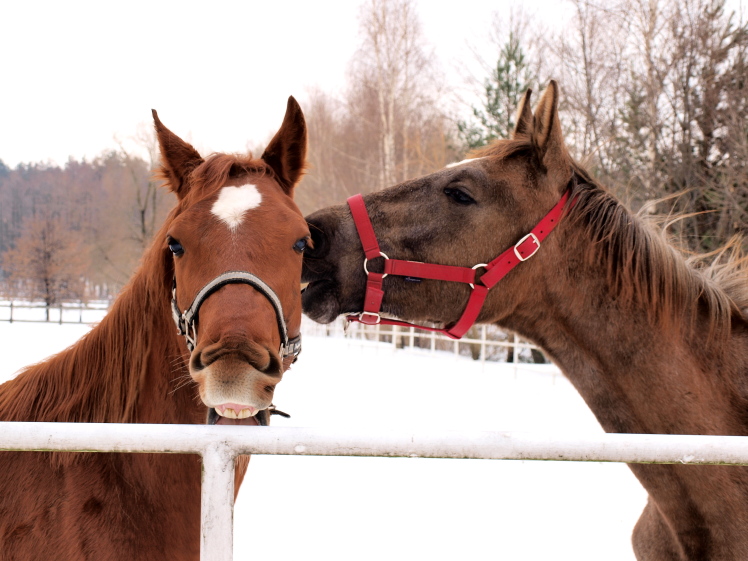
(229, 413)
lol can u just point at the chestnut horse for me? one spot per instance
(652, 343)
(233, 214)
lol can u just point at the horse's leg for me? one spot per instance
(652, 540)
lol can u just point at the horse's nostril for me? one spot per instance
(196, 362)
(273, 367)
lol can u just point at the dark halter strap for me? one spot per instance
(186, 321)
(494, 271)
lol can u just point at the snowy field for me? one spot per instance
(293, 508)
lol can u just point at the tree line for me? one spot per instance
(654, 101)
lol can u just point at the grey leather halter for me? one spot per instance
(186, 320)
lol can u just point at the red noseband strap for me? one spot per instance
(494, 271)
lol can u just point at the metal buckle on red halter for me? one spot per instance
(495, 270)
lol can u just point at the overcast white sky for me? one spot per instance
(75, 74)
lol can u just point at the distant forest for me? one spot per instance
(654, 101)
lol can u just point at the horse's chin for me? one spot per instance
(319, 300)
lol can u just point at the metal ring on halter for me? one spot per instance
(381, 254)
(478, 266)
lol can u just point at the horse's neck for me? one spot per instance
(126, 369)
(636, 375)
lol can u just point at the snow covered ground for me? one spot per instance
(293, 508)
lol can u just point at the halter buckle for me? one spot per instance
(291, 348)
(377, 316)
(190, 336)
(523, 240)
(381, 254)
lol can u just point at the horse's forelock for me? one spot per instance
(217, 169)
(501, 149)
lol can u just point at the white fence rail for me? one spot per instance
(66, 312)
(482, 342)
(219, 447)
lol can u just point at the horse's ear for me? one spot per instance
(286, 153)
(524, 116)
(178, 158)
(547, 138)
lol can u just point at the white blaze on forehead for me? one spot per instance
(453, 164)
(233, 202)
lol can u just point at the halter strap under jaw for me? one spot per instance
(186, 321)
(496, 270)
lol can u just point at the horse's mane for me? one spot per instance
(643, 266)
(99, 378)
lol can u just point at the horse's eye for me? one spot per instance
(175, 247)
(300, 245)
(459, 196)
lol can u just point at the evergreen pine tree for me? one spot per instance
(503, 90)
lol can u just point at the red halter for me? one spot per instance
(495, 270)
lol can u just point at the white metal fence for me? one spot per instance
(220, 445)
(66, 312)
(482, 342)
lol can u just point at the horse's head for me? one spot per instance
(236, 241)
(464, 215)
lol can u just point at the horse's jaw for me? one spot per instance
(320, 302)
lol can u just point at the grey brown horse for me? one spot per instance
(652, 343)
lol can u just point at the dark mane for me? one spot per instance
(644, 266)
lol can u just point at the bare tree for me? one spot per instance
(48, 261)
(590, 67)
(394, 70)
(655, 97)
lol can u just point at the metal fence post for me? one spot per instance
(483, 344)
(217, 504)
